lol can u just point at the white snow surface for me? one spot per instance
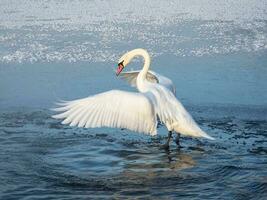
(100, 30)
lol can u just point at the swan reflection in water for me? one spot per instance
(140, 176)
(151, 165)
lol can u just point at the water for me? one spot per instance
(215, 53)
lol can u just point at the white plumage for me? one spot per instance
(134, 111)
(151, 76)
(115, 108)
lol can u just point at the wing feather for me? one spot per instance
(115, 108)
(131, 77)
(152, 77)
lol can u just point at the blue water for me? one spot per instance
(216, 55)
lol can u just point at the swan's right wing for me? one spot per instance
(115, 108)
(131, 76)
(151, 76)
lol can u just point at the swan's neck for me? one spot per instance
(141, 78)
(146, 66)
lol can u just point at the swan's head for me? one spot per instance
(127, 57)
(123, 61)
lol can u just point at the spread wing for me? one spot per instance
(115, 108)
(152, 76)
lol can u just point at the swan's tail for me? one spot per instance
(205, 135)
(193, 131)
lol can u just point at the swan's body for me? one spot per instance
(134, 111)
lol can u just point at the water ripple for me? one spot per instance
(42, 158)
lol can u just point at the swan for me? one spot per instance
(136, 111)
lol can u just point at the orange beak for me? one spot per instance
(119, 69)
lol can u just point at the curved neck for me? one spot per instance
(145, 55)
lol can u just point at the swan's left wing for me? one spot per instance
(151, 76)
(115, 108)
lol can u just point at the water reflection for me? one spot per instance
(152, 160)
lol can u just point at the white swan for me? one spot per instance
(134, 111)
